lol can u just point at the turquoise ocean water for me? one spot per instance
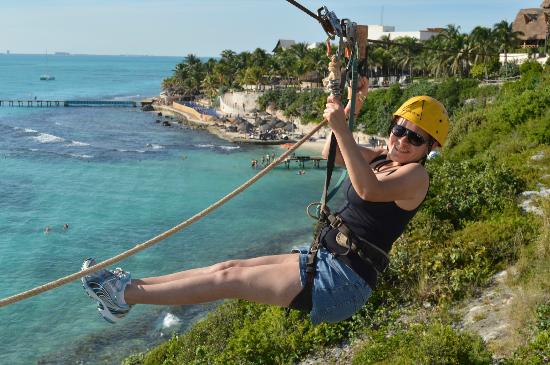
(118, 178)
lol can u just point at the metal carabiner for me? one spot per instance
(330, 22)
(317, 214)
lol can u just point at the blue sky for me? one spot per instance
(206, 27)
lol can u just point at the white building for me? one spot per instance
(378, 31)
(520, 58)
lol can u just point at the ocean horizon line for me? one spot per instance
(67, 54)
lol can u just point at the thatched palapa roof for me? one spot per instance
(533, 22)
(284, 44)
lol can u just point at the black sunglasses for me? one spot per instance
(414, 138)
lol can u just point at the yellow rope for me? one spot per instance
(142, 246)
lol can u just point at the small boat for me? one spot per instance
(47, 78)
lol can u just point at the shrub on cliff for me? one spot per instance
(433, 343)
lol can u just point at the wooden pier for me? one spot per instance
(68, 103)
(303, 159)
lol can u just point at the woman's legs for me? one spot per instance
(269, 280)
(256, 261)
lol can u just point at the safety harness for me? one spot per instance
(348, 46)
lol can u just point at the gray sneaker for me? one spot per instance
(107, 288)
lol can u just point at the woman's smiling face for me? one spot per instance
(401, 150)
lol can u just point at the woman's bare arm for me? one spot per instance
(409, 182)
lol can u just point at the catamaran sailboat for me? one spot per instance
(47, 77)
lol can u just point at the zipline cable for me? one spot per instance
(305, 10)
(142, 246)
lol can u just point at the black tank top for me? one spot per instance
(380, 223)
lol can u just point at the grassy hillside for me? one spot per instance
(469, 228)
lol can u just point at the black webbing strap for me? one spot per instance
(303, 300)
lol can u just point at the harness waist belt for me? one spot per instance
(360, 246)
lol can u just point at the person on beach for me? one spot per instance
(383, 192)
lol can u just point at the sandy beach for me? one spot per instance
(312, 147)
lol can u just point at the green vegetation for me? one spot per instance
(532, 321)
(468, 229)
(308, 105)
(433, 343)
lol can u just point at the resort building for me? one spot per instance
(378, 31)
(284, 44)
(534, 23)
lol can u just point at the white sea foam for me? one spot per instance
(123, 150)
(78, 144)
(155, 146)
(127, 97)
(28, 130)
(80, 156)
(204, 145)
(47, 138)
(229, 148)
(170, 320)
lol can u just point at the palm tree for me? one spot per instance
(299, 50)
(210, 85)
(286, 64)
(259, 58)
(227, 68)
(318, 60)
(506, 37)
(406, 54)
(482, 43)
(187, 77)
(436, 59)
(455, 53)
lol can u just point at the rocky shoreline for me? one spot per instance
(315, 144)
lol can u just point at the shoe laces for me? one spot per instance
(119, 273)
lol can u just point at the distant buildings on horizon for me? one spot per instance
(375, 32)
(378, 31)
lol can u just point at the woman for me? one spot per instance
(384, 191)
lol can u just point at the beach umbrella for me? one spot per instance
(280, 124)
(244, 126)
(273, 122)
(289, 127)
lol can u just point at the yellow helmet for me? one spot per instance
(428, 114)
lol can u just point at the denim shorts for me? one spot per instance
(338, 292)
